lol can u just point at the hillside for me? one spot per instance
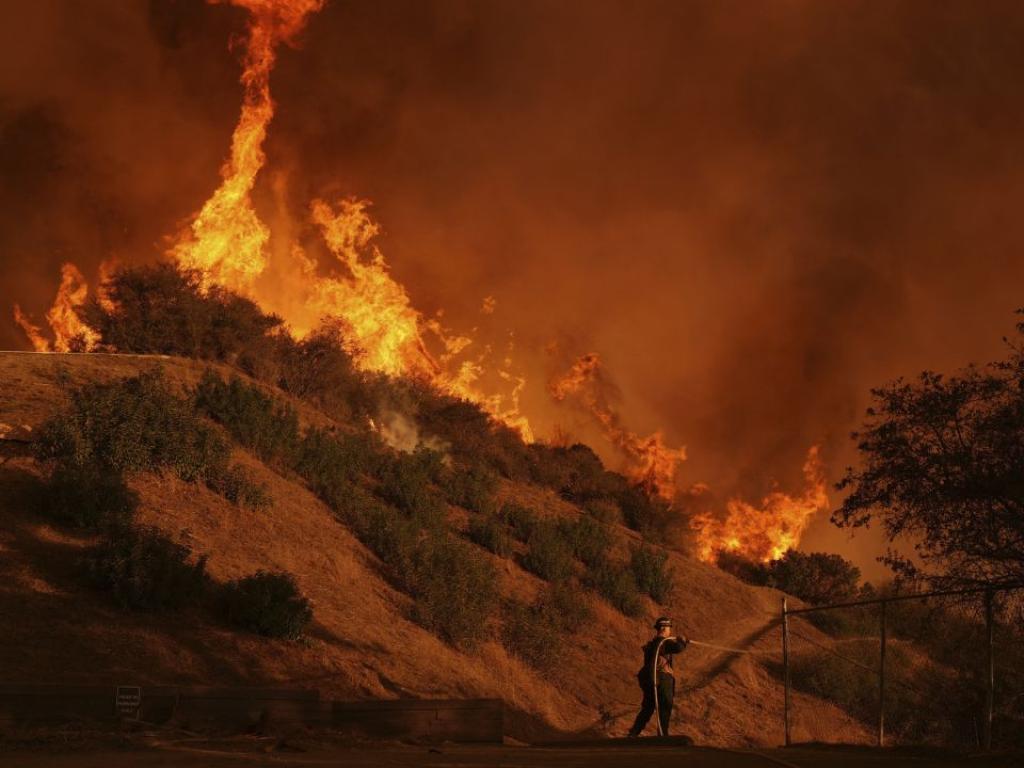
(362, 643)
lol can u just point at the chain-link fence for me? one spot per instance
(943, 668)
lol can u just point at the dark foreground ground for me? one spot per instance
(161, 752)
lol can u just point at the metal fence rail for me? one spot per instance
(988, 592)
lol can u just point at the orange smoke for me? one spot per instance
(70, 334)
(650, 461)
(767, 532)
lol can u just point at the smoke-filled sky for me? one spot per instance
(753, 211)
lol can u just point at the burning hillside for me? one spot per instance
(228, 243)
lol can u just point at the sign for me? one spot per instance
(128, 701)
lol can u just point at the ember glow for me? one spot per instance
(766, 532)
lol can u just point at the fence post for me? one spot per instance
(990, 674)
(881, 679)
(785, 668)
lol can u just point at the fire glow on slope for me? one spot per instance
(767, 532)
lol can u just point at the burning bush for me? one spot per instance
(549, 552)
(269, 604)
(653, 576)
(145, 570)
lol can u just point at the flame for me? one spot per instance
(70, 334)
(766, 533)
(227, 241)
(650, 461)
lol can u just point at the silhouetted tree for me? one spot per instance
(943, 467)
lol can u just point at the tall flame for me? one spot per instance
(70, 333)
(767, 532)
(650, 461)
(227, 241)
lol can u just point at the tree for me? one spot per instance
(943, 467)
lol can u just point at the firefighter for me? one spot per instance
(657, 677)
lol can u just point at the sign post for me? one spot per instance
(128, 701)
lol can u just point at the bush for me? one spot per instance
(650, 515)
(253, 418)
(520, 519)
(332, 462)
(88, 497)
(135, 424)
(618, 586)
(816, 577)
(163, 309)
(239, 486)
(590, 539)
(549, 552)
(491, 534)
(269, 604)
(604, 511)
(652, 574)
(145, 570)
(471, 487)
(454, 587)
(537, 633)
(405, 482)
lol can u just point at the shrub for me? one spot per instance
(331, 462)
(652, 574)
(163, 309)
(549, 552)
(145, 570)
(650, 515)
(405, 482)
(471, 487)
(239, 485)
(269, 604)
(88, 497)
(618, 586)
(743, 568)
(604, 511)
(521, 520)
(537, 633)
(491, 534)
(454, 588)
(816, 577)
(255, 420)
(590, 539)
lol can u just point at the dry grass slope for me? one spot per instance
(361, 643)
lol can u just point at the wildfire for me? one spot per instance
(767, 532)
(227, 241)
(650, 461)
(70, 334)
